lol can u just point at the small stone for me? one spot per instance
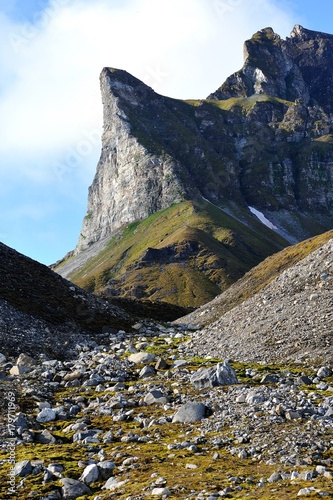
(90, 474)
(276, 476)
(113, 483)
(179, 363)
(25, 360)
(161, 492)
(46, 415)
(306, 475)
(221, 374)
(72, 488)
(191, 412)
(45, 437)
(108, 437)
(161, 364)
(269, 379)
(142, 357)
(73, 375)
(106, 468)
(19, 370)
(292, 415)
(324, 372)
(146, 372)
(305, 492)
(23, 468)
(303, 379)
(155, 397)
(55, 468)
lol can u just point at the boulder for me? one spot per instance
(23, 468)
(146, 372)
(46, 415)
(72, 489)
(221, 374)
(155, 397)
(106, 468)
(191, 412)
(45, 437)
(142, 357)
(324, 372)
(90, 474)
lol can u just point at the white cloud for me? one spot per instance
(50, 105)
(183, 49)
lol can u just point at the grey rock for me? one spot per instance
(19, 370)
(191, 412)
(324, 372)
(46, 415)
(142, 357)
(23, 468)
(329, 412)
(155, 397)
(306, 492)
(25, 360)
(221, 374)
(55, 468)
(45, 437)
(161, 364)
(114, 483)
(106, 468)
(276, 476)
(90, 474)
(303, 379)
(161, 492)
(269, 379)
(146, 372)
(254, 397)
(73, 489)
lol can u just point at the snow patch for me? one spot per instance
(262, 218)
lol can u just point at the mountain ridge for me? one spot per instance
(248, 149)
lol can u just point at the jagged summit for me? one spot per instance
(300, 67)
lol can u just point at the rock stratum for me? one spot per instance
(260, 146)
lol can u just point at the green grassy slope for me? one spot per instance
(184, 255)
(256, 279)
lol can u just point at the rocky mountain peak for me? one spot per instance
(262, 141)
(299, 67)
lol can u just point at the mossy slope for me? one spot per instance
(256, 279)
(184, 255)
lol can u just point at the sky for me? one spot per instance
(51, 55)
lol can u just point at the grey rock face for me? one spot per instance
(131, 182)
(191, 412)
(221, 374)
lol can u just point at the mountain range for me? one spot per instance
(189, 195)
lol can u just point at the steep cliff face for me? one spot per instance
(131, 181)
(264, 139)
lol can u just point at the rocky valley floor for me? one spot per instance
(138, 416)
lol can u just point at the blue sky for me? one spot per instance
(51, 54)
